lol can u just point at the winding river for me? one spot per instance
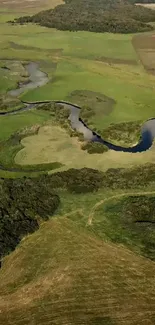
(38, 78)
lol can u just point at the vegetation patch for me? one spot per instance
(9, 104)
(94, 147)
(11, 72)
(92, 103)
(60, 114)
(123, 134)
(9, 149)
(21, 206)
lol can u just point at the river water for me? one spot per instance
(38, 78)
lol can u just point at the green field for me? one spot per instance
(105, 64)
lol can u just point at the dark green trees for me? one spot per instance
(96, 16)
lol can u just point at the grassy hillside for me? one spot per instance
(64, 275)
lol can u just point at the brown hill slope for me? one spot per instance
(61, 275)
(29, 5)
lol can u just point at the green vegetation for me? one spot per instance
(93, 105)
(10, 141)
(21, 205)
(128, 220)
(94, 147)
(9, 104)
(10, 147)
(124, 134)
(135, 100)
(100, 16)
(13, 123)
(11, 72)
(72, 63)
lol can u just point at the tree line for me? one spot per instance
(95, 16)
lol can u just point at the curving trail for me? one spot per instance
(98, 204)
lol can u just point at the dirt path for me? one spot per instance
(91, 215)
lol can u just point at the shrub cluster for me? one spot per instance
(125, 132)
(94, 147)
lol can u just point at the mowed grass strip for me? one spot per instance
(64, 275)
